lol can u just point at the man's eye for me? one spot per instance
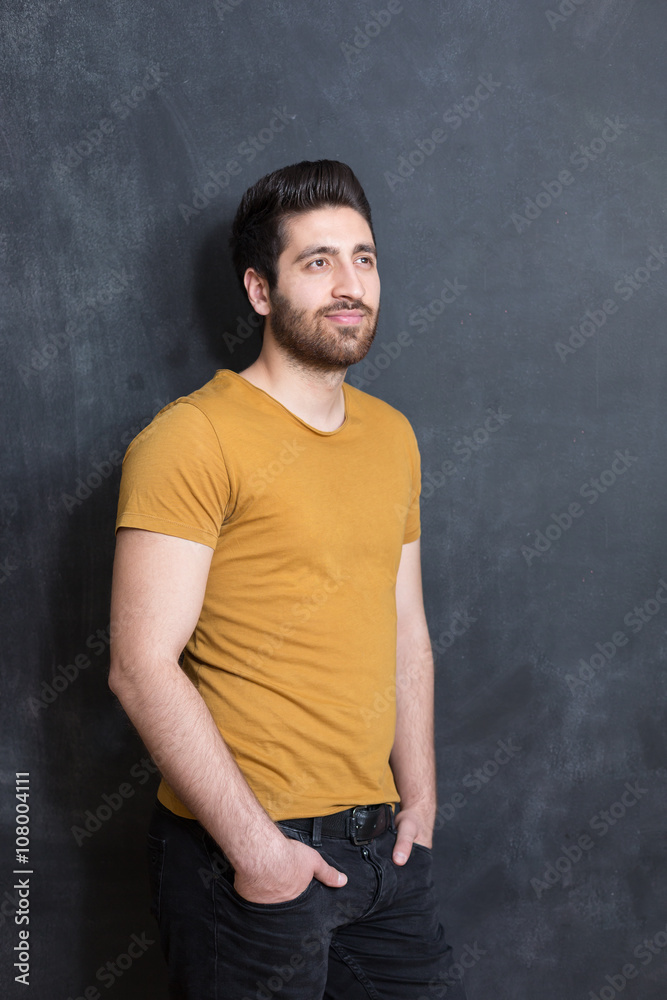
(320, 260)
(366, 260)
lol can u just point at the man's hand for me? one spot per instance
(410, 828)
(283, 873)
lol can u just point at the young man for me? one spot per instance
(270, 644)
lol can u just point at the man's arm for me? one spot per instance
(157, 594)
(412, 757)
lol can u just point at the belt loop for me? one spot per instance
(317, 831)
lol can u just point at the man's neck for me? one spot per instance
(317, 398)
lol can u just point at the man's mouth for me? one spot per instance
(348, 317)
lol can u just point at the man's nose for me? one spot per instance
(348, 282)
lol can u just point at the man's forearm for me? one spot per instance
(179, 732)
(412, 757)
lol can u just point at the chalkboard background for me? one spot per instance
(514, 155)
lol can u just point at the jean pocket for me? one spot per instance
(421, 848)
(156, 851)
(286, 904)
(224, 873)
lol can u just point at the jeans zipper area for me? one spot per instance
(367, 856)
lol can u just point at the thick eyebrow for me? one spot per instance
(324, 251)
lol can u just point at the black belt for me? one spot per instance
(360, 824)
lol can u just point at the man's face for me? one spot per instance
(324, 309)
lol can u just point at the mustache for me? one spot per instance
(344, 306)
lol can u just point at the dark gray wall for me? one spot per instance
(514, 155)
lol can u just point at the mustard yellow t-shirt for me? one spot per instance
(294, 652)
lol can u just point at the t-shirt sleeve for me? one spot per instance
(412, 521)
(174, 479)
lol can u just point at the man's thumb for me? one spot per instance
(329, 875)
(401, 852)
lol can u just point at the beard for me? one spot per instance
(315, 343)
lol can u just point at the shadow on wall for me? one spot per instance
(232, 327)
(101, 782)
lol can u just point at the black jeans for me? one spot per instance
(379, 936)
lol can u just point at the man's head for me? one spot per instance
(259, 229)
(304, 249)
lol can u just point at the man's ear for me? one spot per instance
(257, 288)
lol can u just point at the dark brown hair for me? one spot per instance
(258, 231)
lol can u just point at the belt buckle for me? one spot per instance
(358, 823)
